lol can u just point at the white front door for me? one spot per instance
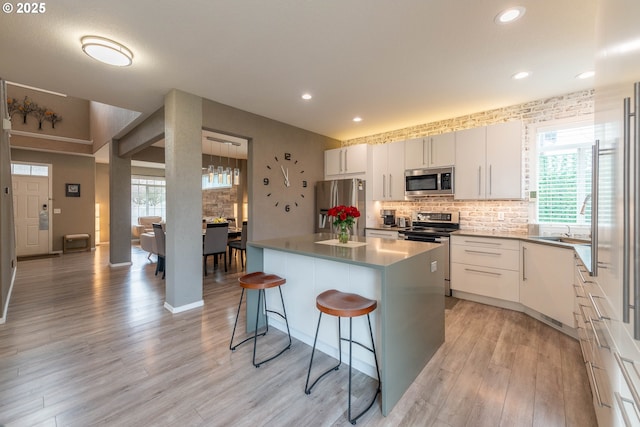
(31, 214)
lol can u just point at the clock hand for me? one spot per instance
(286, 175)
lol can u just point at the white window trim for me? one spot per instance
(546, 126)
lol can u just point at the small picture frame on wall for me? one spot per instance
(72, 190)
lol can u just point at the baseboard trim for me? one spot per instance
(5, 309)
(121, 264)
(186, 307)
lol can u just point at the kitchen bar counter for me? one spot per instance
(405, 278)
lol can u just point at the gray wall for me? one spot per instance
(269, 138)
(77, 213)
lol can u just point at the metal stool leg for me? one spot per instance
(231, 346)
(261, 298)
(307, 389)
(373, 350)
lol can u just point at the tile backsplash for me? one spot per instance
(477, 215)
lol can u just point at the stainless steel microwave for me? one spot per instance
(428, 182)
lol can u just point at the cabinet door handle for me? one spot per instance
(479, 179)
(390, 186)
(469, 251)
(595, 335)
(431, 151)
(482, 271)
(384, 185)
(627, 378)
(620, 401)
(582, 277)
(483, 243)
(490, 181)
(346, 161)
(585, 318)
(524, 262)
(342, 154)
(424, 151)
(596, 389)
(596, 308)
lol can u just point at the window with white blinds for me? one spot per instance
(564, 173)
(148, 197)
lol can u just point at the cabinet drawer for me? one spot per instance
(486, 242)
(491, 282)
(486, 257)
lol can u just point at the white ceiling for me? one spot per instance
(394, 63)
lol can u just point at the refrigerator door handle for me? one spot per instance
(636, 212)
(626, 210)
(595, 156)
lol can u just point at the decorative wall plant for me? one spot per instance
(30, 108)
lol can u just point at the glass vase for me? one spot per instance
(343, 234)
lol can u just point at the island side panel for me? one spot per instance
(255, 262)
(412, 323)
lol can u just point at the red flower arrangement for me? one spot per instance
(345, 217)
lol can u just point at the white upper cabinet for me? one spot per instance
(489, 162)
(430, 151)
(345, 162)
(387, 171)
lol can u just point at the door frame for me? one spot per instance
(49, 197)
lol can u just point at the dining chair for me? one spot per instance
(215, 243)
(239, 245)
(160, 247)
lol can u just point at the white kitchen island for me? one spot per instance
(406, 278)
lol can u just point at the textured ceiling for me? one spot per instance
(394, 63)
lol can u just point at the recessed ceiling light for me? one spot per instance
(586, 75)
(521, 75)
(509, 15)
(107, 51)
(357, 119)
(306, 96)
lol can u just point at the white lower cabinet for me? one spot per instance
(547, 279)
(485, 266)
(610, 354)
(385, 234)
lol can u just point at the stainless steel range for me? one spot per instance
(434, 227)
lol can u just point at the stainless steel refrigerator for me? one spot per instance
(348, 192)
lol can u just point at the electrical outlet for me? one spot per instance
(500, 216)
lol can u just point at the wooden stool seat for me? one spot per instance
(260, 280)
(342, 304)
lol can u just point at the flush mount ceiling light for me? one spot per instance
(357, 119)
(107, 51)
(521, 75)
(306, 96)
(509, 15)
(586, 75)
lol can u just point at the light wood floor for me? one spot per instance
(88, 345)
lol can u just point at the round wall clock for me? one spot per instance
(286, 182)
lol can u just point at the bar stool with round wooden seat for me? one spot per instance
(260, 281)
(341, 304)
